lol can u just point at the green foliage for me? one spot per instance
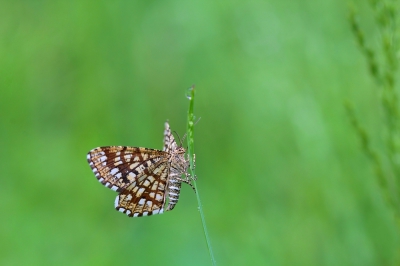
(382, 61)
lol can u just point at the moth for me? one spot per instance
(148, 180)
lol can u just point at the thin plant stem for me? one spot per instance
(190, 142)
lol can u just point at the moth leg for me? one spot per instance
(187, 181)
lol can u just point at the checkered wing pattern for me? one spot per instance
(169, 140)
(139, 174)
(147, 197)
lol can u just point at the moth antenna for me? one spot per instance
(197, 121)
(184, 136)
(178, 137)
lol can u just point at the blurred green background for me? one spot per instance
(281, 174)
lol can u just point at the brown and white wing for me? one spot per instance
(145, 196)
(118, 167)
(169, 140)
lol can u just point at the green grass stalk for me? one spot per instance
(190, 141)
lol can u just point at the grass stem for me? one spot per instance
(190, 140)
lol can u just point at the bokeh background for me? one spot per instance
(281, 173)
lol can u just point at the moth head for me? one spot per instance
(180, 150)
